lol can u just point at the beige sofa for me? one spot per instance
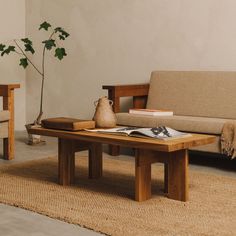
(202, 102)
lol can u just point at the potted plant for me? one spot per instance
(23, 47)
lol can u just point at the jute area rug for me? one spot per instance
(106, 205)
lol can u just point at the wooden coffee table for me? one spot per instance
(173, 153)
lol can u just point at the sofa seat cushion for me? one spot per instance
(183, 123)
(4, 116)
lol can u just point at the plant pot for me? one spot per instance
(33, 139)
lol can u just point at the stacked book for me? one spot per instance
(151, 112)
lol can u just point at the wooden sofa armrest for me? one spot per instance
(5, 89)
(139, 92)
(7, 92)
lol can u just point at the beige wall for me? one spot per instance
(120, 41)
(12, 26)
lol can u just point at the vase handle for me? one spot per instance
(95, 103)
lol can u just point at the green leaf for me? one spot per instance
(28, 47)
(61, 37)
(49, 43)
(2, 46)
(27, 41)
(45, 25)
(60, 53)
(57, 29)
(8, 50)
(62, 31)
(23, 62)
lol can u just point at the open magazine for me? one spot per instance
(160, 132)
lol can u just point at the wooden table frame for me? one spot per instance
(66, 159)
(173, 154)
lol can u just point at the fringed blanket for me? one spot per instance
(228, 139)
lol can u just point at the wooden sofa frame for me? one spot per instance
(7, 92)
(139, 92)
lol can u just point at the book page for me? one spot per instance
(160, 132)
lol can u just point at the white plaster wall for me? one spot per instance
(12, 26)
(120, 41)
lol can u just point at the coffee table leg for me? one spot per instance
(178, 175)
(142, 177)
(66, 161)
(95, 160)
(165, 177)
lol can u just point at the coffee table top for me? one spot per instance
(134, 142)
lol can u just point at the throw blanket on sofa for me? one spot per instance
(228, 139)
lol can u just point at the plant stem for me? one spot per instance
(19, 53)
(37, 121)
(27, 58)
(42, 89)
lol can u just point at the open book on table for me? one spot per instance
(160, 132)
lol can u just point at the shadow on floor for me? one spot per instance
(119, 182)
(217, 161)
(212, 160)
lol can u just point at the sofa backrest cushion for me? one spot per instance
(194, 93)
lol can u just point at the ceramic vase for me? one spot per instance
(104, 116)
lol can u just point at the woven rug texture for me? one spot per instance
(106, 205)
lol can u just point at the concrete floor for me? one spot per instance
(18, 222)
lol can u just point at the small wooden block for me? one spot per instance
(64, 123)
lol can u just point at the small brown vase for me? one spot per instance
(104, 116)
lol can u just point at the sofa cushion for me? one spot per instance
(183, 123)
(3, 129)
(194, 93)
(4, 116)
